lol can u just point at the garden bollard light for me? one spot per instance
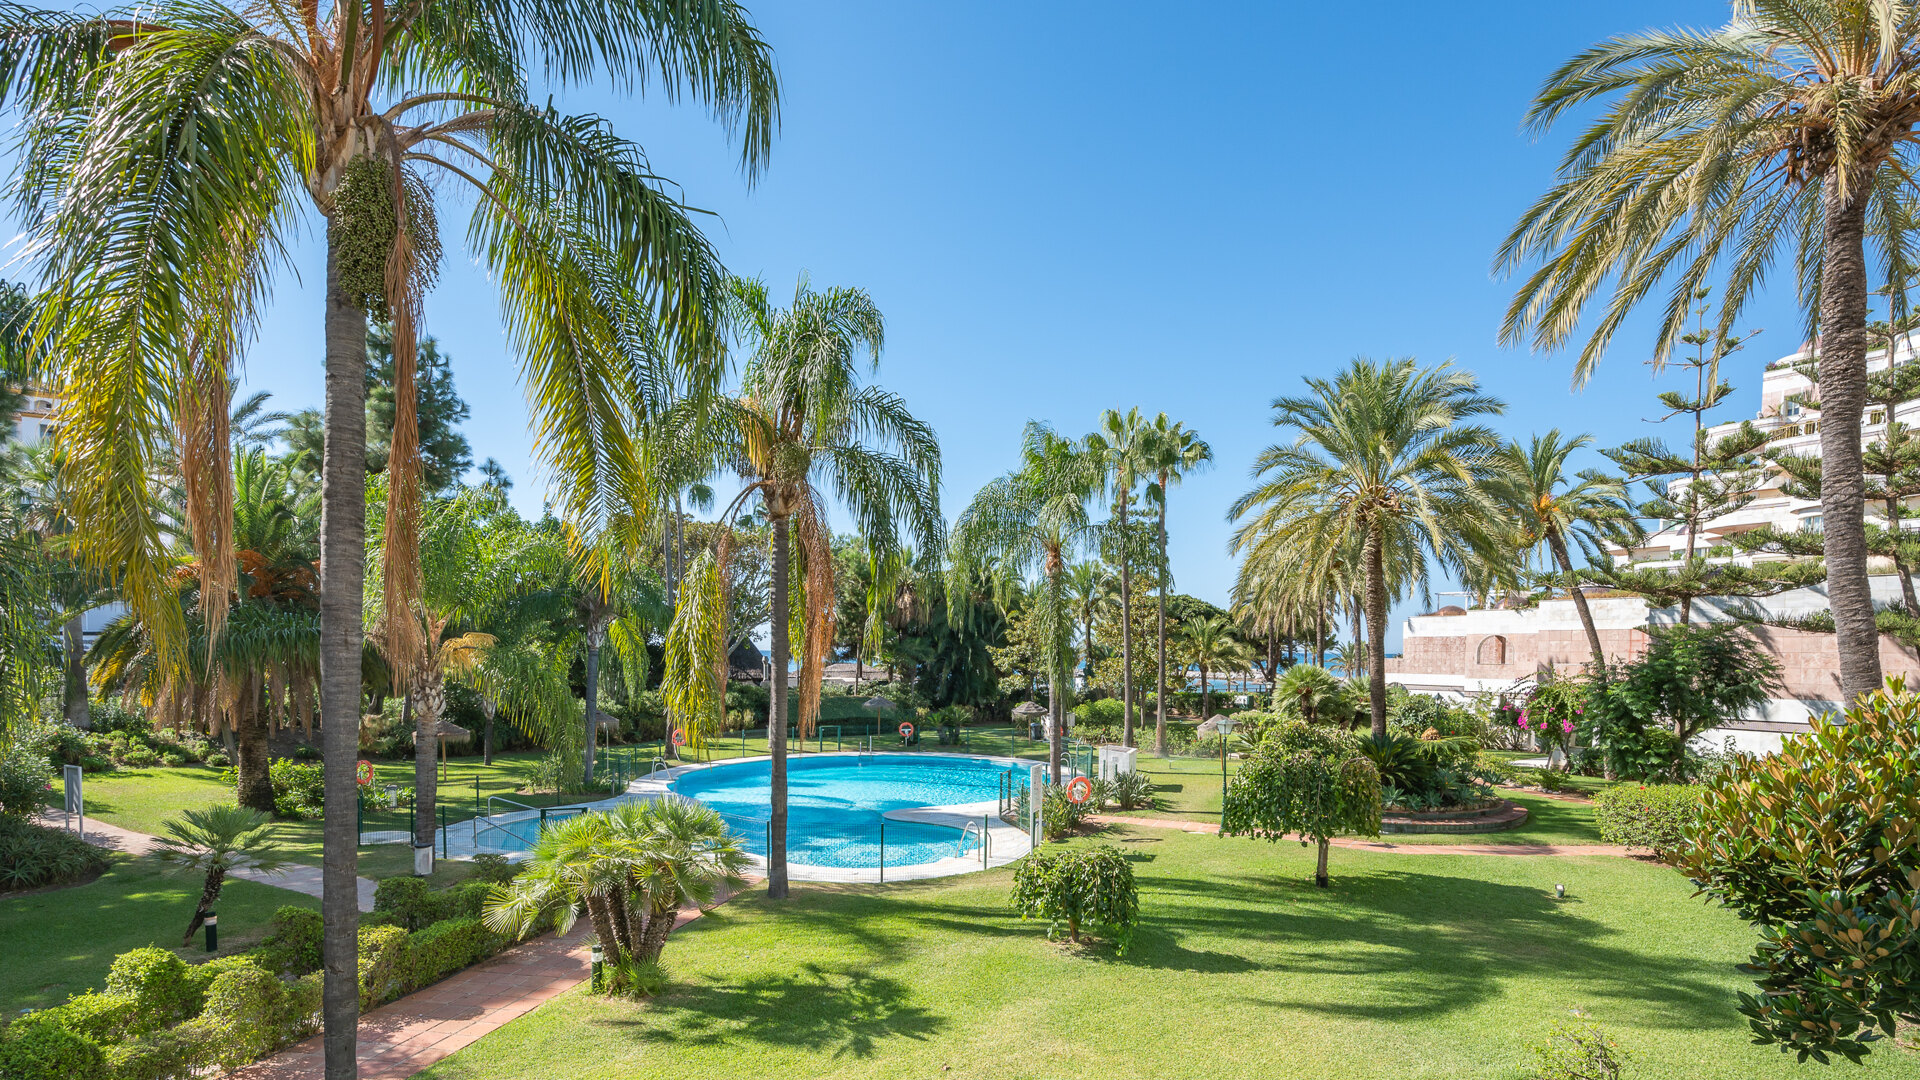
(599, 956)
(213, 932)
(1559, 892)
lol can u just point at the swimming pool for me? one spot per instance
(836, 803)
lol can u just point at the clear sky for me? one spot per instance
(1067, 207)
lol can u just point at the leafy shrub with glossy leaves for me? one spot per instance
(45, 1050)
(159, 983)
(1086, 887)
(1304, 781)
(1819, 847)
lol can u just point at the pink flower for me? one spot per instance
(1566, 726)
(1523, 719)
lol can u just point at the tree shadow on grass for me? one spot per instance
(1424, 945)
(843, 1011)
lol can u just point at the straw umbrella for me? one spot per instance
(880, 705)
(447, 731)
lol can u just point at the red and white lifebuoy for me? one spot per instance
(1079, 789)
(679, 737)
(363, 772)
(906, 729)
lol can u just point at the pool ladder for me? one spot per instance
(979, 828)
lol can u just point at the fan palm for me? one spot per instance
(1174, 452)
(1384, 463)
(214, 841)
(1313, 694)
(804, 429)
(1124, 447)
(1531, 482)
(1791, 126)
(1033, 519)
(1090, 590)
(174, 152)
(1210, 644)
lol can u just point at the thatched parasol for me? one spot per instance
(447, 731)
(1212, 725)
(880, 704)
(1030, 708)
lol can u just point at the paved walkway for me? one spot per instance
(1208, 828)
(296, 877)
(403, 1037)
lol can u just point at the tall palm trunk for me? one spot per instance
(1061, 677)
(1900, 566)
(487, 708)
(73, 654)
(343, 535)
(1377, 626)
(426, 773)
(596, 637)
(1160, 634)
(1320, 631)
(777, 719)
(1559, 545)
(1126, 629)
(1843, 395)
(252, 788)
(1206, 694)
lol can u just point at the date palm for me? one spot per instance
(802, 430)
(1210, 644)
(1124, 448)
(177, 148)
(1090, 589)
(1531, 482)
(1384, 462)
(1033, 519)
(1174, 453)
(1791, 128)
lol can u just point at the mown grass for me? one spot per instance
(61, 941)
(1411, 966)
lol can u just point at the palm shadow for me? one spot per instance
(845, 1011)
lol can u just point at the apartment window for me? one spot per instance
(1812, 524)
(1877, 416)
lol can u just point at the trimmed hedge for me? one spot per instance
(1639, 816)
(161, 1018)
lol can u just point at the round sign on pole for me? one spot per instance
(363, 772)
(1079, 789)
(906, 729)
(679, 737)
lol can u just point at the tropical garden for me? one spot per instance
(319, 638)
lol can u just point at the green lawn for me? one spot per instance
(1411, 966)
(61, 942)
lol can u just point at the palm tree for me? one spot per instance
(1383, 462)
(1791, 126)
(1209, 643)
(206, 131)
(1312, 692)
(1032, 519)
(214, 841)
(801, 430)
(1124, 447)
(1090, 591)
(1531, 482)
(1174, 452)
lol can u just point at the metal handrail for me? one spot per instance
(968, 830)
(658, 764)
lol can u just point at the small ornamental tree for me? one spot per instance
(1087, 886)
(1306, 783)
(1819, 847)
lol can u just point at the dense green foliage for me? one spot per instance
(1690, 679)
(32, 856)
(1306, 782)
(1080, 888)
(1819, 846)
(1656, 818)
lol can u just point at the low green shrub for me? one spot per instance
(1077, 888)
(244, 1016)
(446, 947)
(493, 868)
(293, 945)
(1578, 1050)
(414, 905)
(33, 856)
(161, 985)
(383, 964)
(299, 791)
(45, 1050)
(1646, 817)
(104, 1018)
(24, 777)
(1132, 791)
(163, 1055)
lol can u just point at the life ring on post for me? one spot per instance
(1079, 790)
(906, 729)
(679, 737)
(363, 772)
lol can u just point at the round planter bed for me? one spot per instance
(1496, 817)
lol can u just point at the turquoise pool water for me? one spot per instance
(835, 803)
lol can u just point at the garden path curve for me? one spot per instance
(295, 877)
(1376, 845)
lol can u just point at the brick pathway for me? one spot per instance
(405, 1036)
(1207, 828)
(295, 877)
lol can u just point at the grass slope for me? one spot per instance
(1411, 966)
(60, 942)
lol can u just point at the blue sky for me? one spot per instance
(1067, 207)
